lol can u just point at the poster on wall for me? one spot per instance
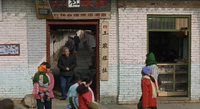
(9, 49)
(73, 9)
(0, 10)
(104, 51)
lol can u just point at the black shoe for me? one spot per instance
(63, 99)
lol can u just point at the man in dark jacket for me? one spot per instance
(77, 41)
(66, 64)
(70, 44)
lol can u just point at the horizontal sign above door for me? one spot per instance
(73, 9)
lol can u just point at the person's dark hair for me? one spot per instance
(76, 77)
(147, 56)
(89, 74)
(152, 79)
(47, 65)
(81, 89)
(6, 104)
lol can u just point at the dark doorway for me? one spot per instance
(57, 31)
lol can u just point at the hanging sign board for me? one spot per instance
(73, 9)
(0, 10)
(104, 51)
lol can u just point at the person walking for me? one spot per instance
(66, 64)
(70, 44)
(151, 61)
(149, 89)
(77, 41)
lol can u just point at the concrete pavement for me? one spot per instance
(160, 106)
(57, 104)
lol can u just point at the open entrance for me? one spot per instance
(87, 54)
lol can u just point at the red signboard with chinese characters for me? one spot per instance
(80, 5)
(73, 9)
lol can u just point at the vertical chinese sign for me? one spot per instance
(104, 51)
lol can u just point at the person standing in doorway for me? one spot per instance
(70, 44)
(66, 64)
(77, 41)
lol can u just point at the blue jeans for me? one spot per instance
(47, 104)
(47, 93)
(64, 81)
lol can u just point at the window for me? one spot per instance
(167, 23)
(168, 38)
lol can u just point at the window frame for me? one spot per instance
(169, 30)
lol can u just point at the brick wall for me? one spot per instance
(20, 25)
(133, 48)
(36, 39)
(109, 89)
(13, 31)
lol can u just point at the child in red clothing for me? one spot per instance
(86, 95)
(149, 89)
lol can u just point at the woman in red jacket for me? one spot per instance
(149, 89)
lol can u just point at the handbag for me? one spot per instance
(139, 105)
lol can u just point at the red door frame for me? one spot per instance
(95, 22)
